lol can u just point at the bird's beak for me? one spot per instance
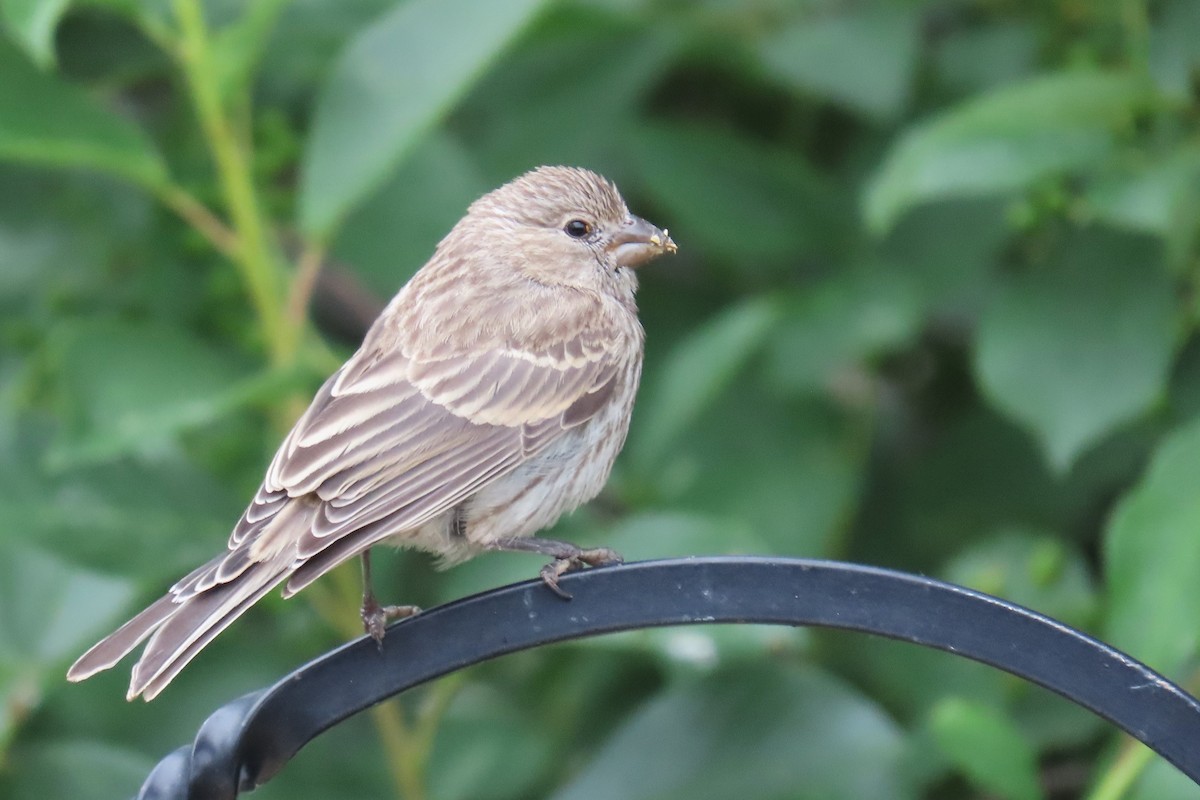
(637, 242)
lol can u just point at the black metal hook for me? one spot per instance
(247, 741)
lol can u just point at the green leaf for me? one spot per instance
(1152, 558)
(1161, 781)
(1075, 347)
(1005, 140)
(1159, 197)
(948, 251)
(46, 121)
(1174, 48)
(909, 679)
(58, 231)
(488, 748)
(830, 329)
(20, 694)
(393, 233)
(394, 82)
(154, 16)
(974, 58)
(863, 60)
(987, 748)
(980, 473)
(572, 93)
(50, 609)
(753, 732)
(1049, 721)
(238, 47)
(132, 387)
(791, 470)
(1035, 570)
(755, 205)
(699, 369)
(81, 770)
(33, 23)
(1146, 197)
(143, 520)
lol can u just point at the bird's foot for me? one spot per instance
(580, 558)
(566, 557)
(376, 617)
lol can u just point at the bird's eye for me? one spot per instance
(577, 228)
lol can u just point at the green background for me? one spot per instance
(935, 309)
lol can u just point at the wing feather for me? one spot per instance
(427, 433)
(389, 443)
(438, 486)
(364, 538)
(437, 403)
(310, 465)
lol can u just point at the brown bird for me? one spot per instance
(491, 396)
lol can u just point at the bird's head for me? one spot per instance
(563, 225)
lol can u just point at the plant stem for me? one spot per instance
(200, 217)
(1128, 766)
(430, 717)
(1135, 20)
(255, 256)
(1130, 762)
(403, 762)
(402, 748)
(283, 318)
(307, 268)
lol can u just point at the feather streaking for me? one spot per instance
(491, 396)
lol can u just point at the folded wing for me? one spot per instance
(389, 443)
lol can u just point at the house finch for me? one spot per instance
(491, 396)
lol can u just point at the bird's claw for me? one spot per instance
(552, 572)
(376, 617)
(600, 557)
(594, 557)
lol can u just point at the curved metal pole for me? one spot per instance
(246, 742)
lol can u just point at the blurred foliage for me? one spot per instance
(935, 308)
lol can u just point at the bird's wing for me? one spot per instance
(389, 443)
(410, 439)
(392, 441)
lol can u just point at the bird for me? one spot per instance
(490, 397)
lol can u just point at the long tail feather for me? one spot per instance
(197, 622)
(117, 645)
(201, 605)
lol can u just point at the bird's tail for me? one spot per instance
(180, 624)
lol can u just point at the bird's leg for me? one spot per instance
(566, 557)
(375, 616)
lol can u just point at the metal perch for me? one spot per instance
(246, 742)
